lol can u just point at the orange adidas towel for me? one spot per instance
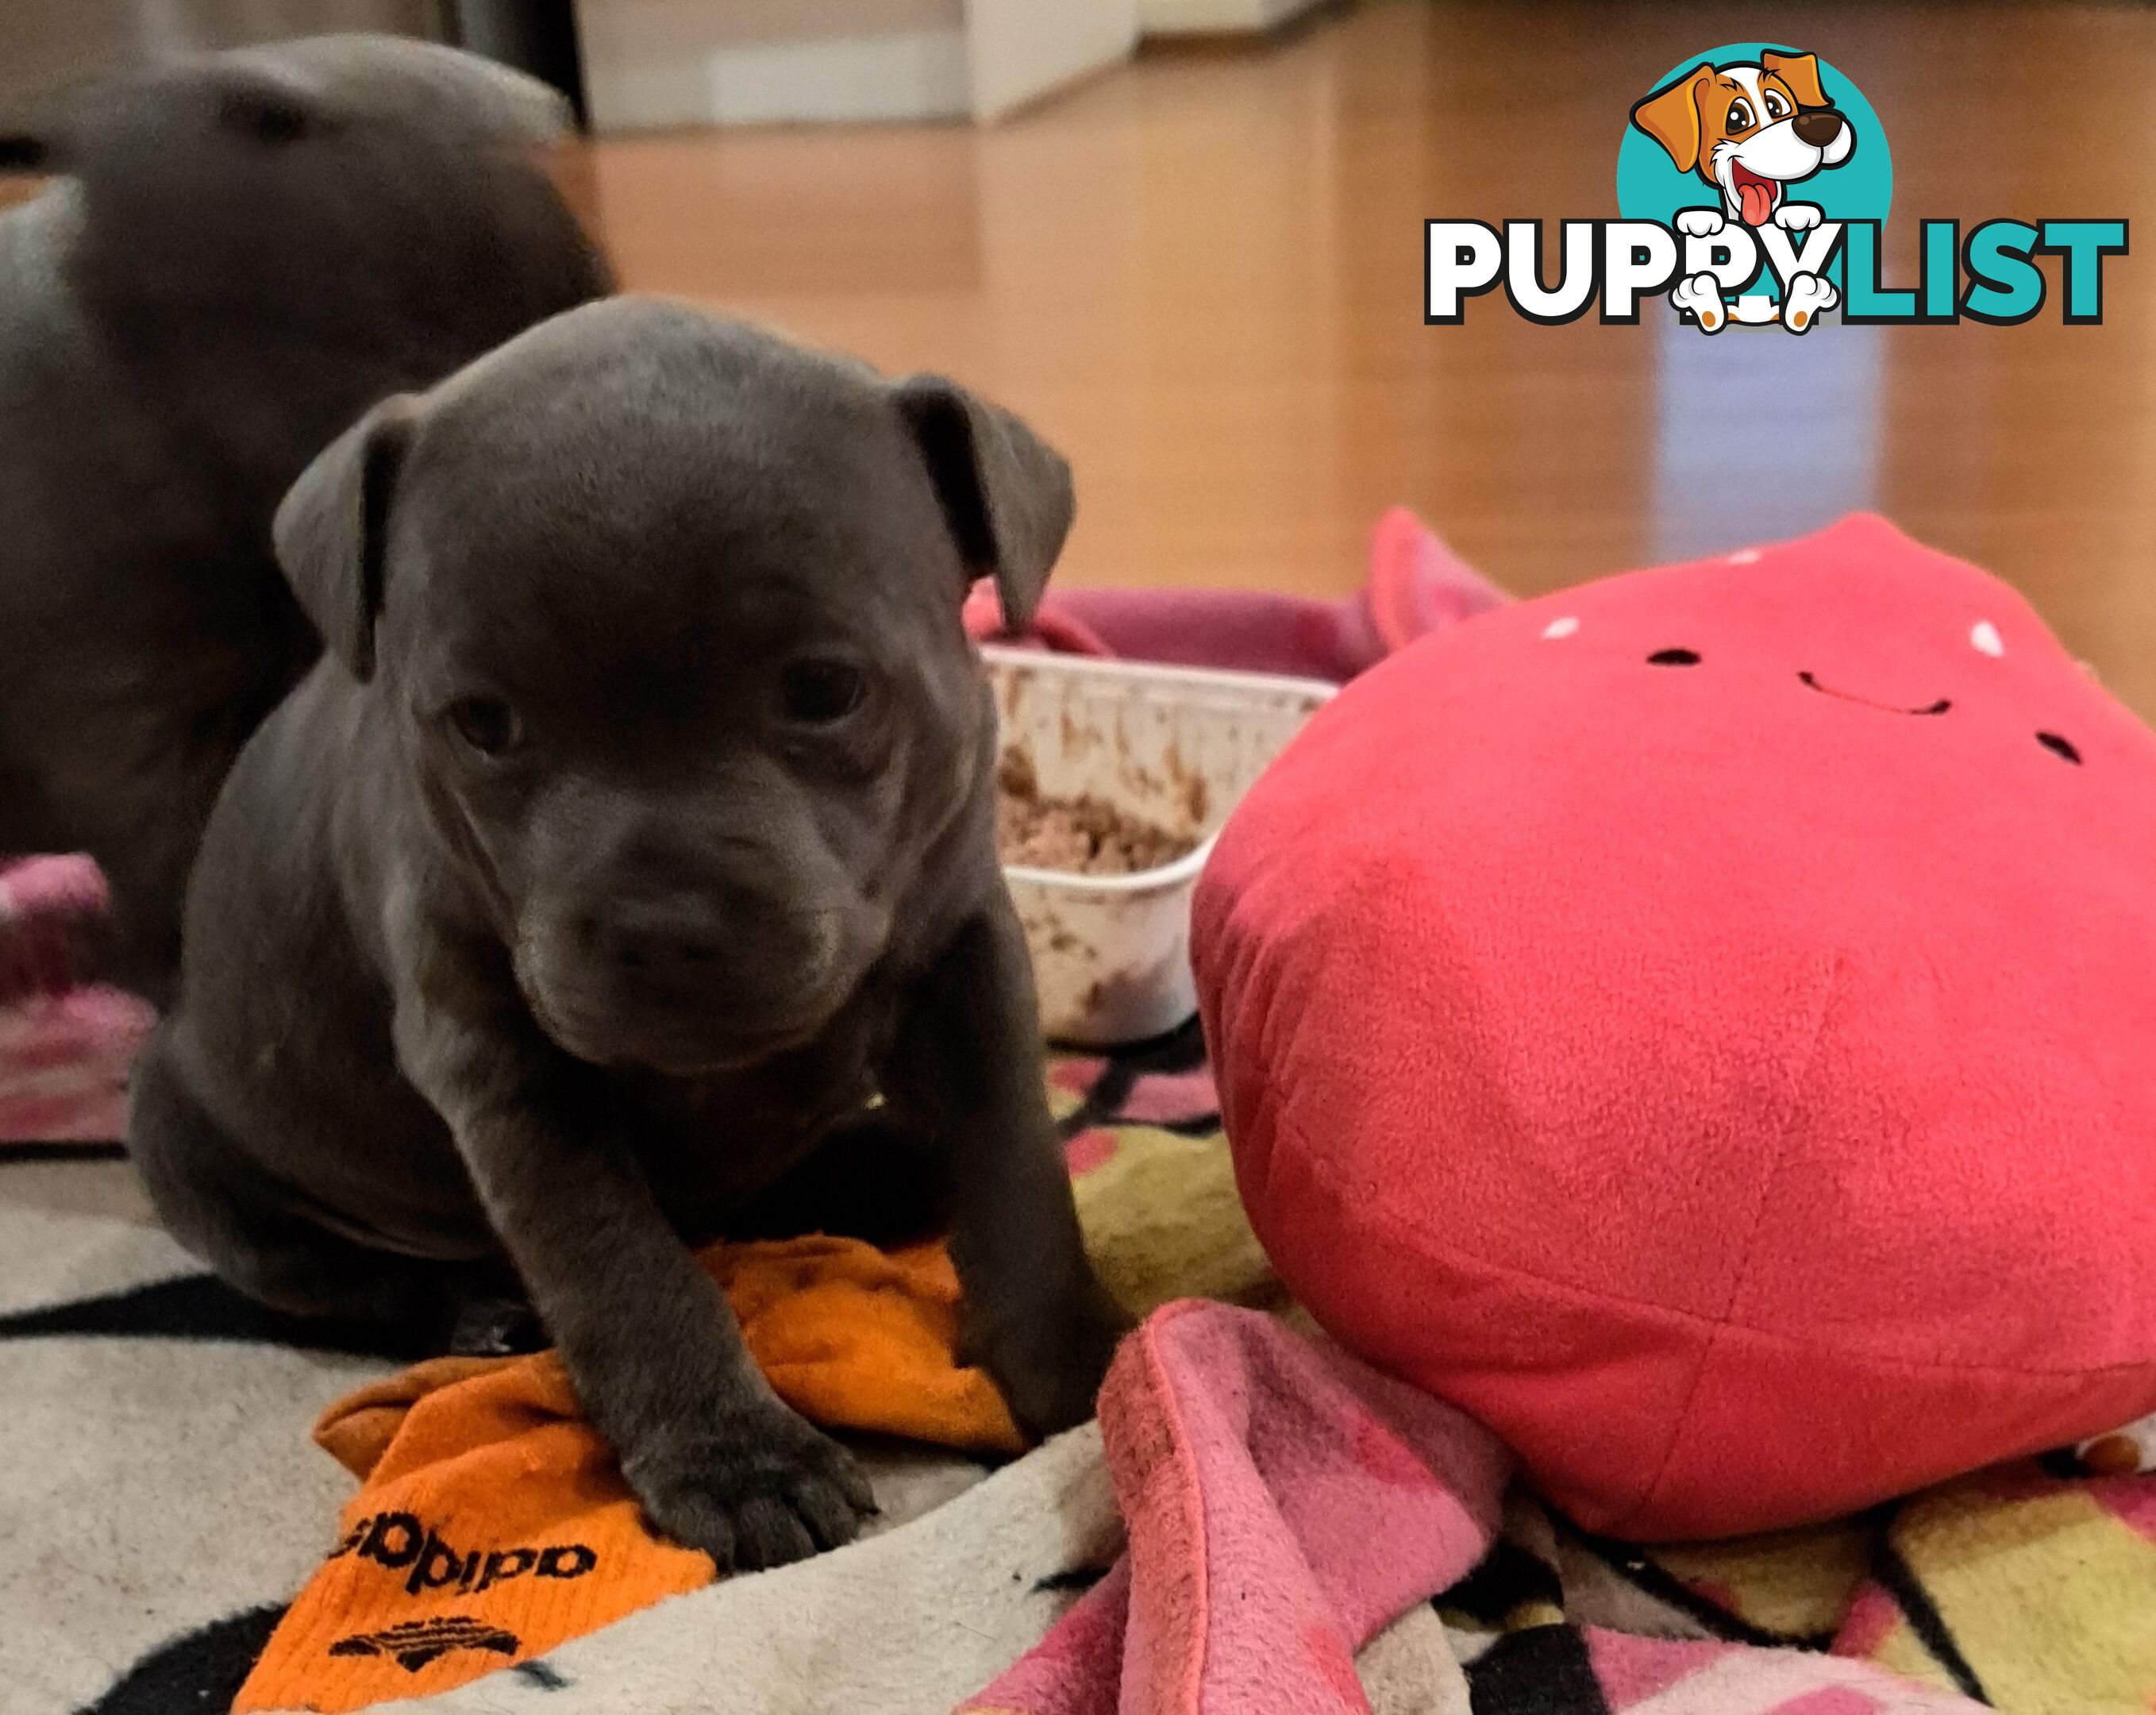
(492, 1523)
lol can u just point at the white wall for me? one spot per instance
(1021, 48)
(650, 64)
(1184, 18)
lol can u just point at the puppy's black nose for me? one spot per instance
(682, 936)
(1819, 126)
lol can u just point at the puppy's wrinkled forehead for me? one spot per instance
(700, 495)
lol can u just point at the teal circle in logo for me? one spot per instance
(1651, 187)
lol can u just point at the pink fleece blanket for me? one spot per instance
(1285, 1502)
(1414, 584)
(64, 1048)
(1255, 1471)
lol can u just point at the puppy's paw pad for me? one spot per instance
(1702, 294)
(1808, 295)
(1699, 222)
(767, 1490)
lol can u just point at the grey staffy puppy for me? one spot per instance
(234, 256)
(628, 876)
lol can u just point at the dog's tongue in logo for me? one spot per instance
(1749, 128)
(1756, 196)
(1752, 128)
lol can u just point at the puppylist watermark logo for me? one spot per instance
(1753, 185)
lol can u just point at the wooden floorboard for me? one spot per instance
(1201, 274)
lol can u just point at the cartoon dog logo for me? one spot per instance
(1751, 128)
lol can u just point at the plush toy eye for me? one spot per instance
(1740, 115)
(2059, 746)
(819, 691)
(487, 724)
(1674, 658)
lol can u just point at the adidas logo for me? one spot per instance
(398, 1540)
(414, 1643)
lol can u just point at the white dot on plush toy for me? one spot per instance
(1561, 628)
(1985, 636)
(1745, 556)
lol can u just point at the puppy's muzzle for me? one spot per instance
(682, 947)
(669, 941)
(1819, 126)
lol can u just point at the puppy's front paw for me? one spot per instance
(1702, 294)
(1699, 222)
(1049, 1362)
(1797, 217)
(755, 1489)
(1807, 296)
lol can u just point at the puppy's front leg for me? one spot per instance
(967, 1068)
(718, 1460)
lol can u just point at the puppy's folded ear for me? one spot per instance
(1671, 115)
(23, 151)
(1006, 493)
(265, 113)
(330, 530)
(34, 132)
(1800, 72)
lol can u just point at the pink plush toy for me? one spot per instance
(1704, 1023)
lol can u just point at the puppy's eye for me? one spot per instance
(1740, 115)
(817, 692)
(1775, 106)
(1674, 658)
(266, 117)
(487, 724)
(2059, 746)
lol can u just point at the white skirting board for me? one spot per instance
(655, 63)
(1215, 17)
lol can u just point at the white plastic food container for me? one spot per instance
(1175, 746)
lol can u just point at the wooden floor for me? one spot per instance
(1201, 275)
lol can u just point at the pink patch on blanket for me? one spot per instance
(1872, 1615)
(1090, 1149)
(1166, 1098)
(1631, 1669)
(2132, 1499)
(1075, 1073)
(1832, 1700)
(65, 1061)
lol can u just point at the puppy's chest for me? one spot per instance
(711, 1143)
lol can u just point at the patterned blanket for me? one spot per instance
(160, 1503)
(2021, 1588)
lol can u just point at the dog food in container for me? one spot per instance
(1169, 748)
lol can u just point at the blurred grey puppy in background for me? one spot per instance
(235, 256)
